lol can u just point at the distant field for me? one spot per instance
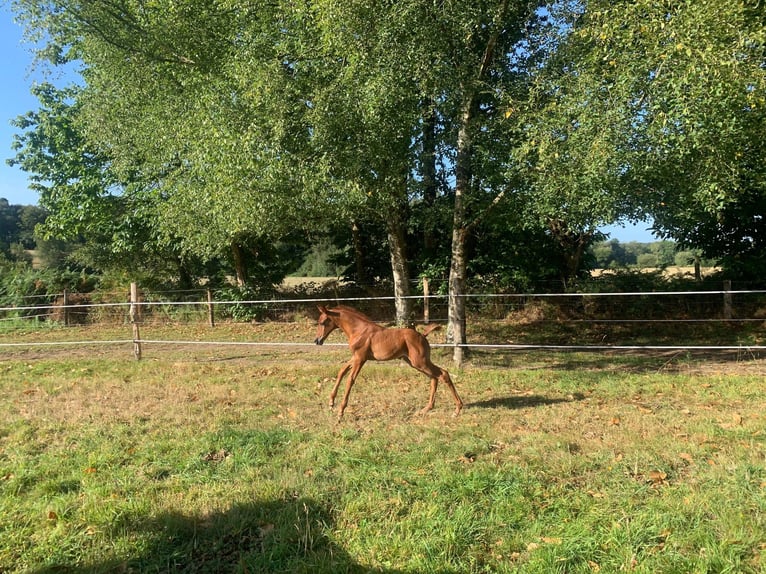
(668, 272)
(226, 459)
(293, 281)
(671, 271)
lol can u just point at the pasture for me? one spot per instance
(226, 459)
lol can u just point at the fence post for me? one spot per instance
(210, 314)
(426, 310)
(66, 308)
(135, 317)
(727, 299)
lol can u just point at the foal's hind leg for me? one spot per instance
(424, 365)
(448, 381)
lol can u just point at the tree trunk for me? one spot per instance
(401, 275)
(463, 180)
(428, 173)
(240, 267)
(697, 269)
(573, 245)
(185, 279)
(361, 276)
(456, 304)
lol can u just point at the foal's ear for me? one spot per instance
(322, 309)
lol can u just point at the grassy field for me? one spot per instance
(226, 459)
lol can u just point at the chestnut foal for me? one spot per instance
(368, 340)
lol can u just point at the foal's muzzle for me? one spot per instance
(318, 341)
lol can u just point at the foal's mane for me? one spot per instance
(351, 311)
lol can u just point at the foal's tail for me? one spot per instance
(431, 328)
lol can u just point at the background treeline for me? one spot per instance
(32, 266)
(612, 254)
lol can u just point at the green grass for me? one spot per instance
(227, 460)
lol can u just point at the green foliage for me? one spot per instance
(72, 179)
(733, 235)
(17, 228)
(607, 254)
(518, 259)
(91, 216)
(663, 108)
(18, 283)
(320, 260)
(245, 306)
(613, 254)
(647, 260)
(195, 130)
(23, 286)
(364, 258)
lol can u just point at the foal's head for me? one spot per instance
(326, 324)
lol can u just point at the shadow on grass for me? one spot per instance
(521, 402)
(606, 360)
(289, 535)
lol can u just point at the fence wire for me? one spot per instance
(569, 314)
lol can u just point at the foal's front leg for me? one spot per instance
(342, 372)
(356, 365)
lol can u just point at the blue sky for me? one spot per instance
(17, 75)
(631, 232)
(16, 78)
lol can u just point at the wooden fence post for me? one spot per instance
(135, 317)
(66, 308)
(426, 310)
(727, 299)
(210, 314)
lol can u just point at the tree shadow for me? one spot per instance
(617, 360)
(289, 535)
(523, 401)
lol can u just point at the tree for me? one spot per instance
(9, 226)
(88, 215)
(571, 156)
(664, 104)
(607, 254)
(234, 123)
(647, 261)
(71, 179)
(365, 114)
(472, 70)
(148, 116)
(426, 79)
(665, 251)
(30, 217)
(17, 228)
(254, 105)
